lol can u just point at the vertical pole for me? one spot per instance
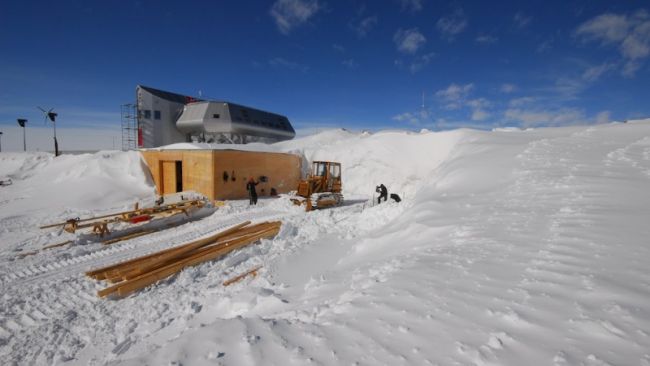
(0, 141)
(24, 140)
(56, 143)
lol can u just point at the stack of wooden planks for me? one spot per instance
(138, 273)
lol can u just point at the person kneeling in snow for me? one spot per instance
(252, 193)
(383, 193)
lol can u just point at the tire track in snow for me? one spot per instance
(561, 271)
(636, 155)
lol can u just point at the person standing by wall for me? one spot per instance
(252, 193)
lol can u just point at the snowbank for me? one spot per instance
(512, 248)
(43, 184)
(403, 161)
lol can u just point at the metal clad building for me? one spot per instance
(165, 118)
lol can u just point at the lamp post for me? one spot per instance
(22, 122)
(0, 141)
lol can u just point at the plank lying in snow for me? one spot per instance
(23, 255)
(240, 277)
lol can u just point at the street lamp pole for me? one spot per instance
(22, 122)
(0, 141)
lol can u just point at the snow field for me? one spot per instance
(512, 247)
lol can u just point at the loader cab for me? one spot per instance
(330, 173)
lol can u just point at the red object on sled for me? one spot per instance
(141, 218)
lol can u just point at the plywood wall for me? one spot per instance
(198, 173)
(282, 172)
(203, 171)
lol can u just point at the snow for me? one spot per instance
(510, 247)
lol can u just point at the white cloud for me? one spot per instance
(630, 33)
(415, 119)
(452, 24)
(508, 88)
(479, 115)
(545, 46)
(454, 95)
(289, 14)
(351, 64)
(280, 62)
(479, 107)
(568, 88)
(630, 68)
(409, 40)
(406, 117)
(595, 72)
(365, 26)
(637, 45)
(608, 28)
(518, 102)
(420, 62)
(478, 103)
(411, 5)
(338, 47)
(486, 39)
(521, 20)
(603, 117)
(545, 117)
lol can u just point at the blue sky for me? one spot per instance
(353, 64)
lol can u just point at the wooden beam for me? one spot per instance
(128, 236)
(242, 276)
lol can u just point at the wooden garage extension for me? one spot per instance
(222, 174)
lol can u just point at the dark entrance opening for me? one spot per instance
(179, 176)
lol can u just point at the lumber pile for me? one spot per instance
(138, 273)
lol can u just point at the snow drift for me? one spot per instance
(512, 247)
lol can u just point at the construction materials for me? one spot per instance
(99, 224)
(322, 188)
(138, 273)
(240, 277)
(128, 236)
(23, 255)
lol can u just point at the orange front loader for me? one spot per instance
(321, 188)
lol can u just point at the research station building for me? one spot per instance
(160, 118)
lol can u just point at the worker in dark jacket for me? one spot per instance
(383, 193)
(252, 193)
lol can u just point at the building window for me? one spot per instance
(216, 115)
(156, 114)
(147, 114)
